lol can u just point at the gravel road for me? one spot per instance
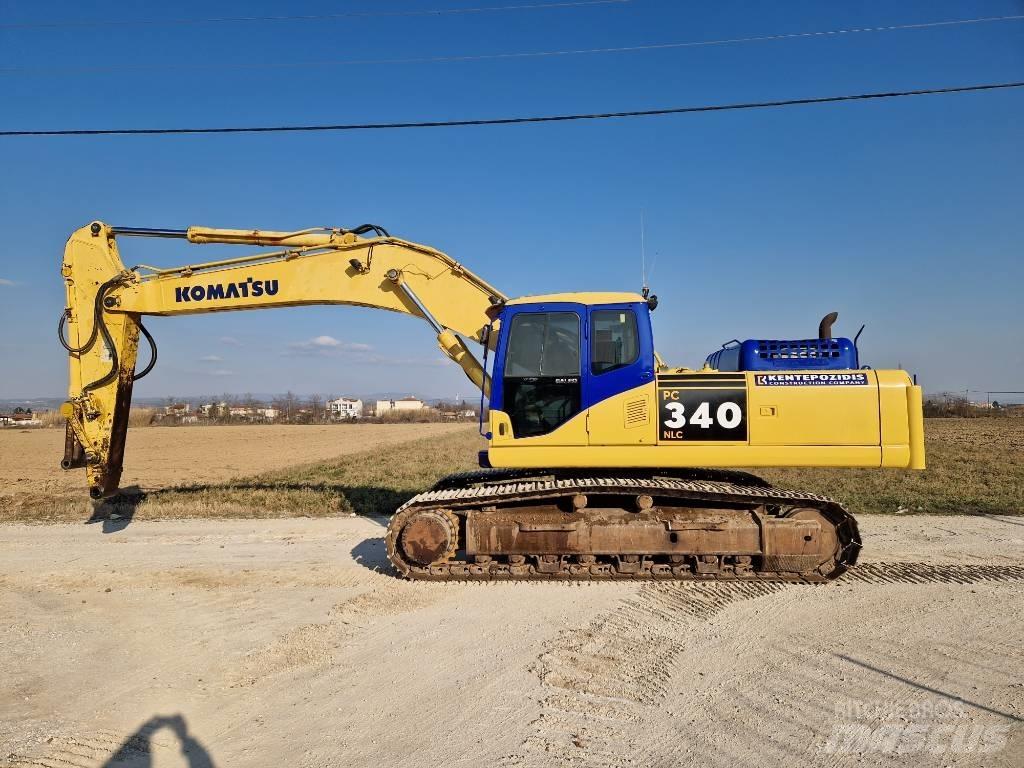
(289, 643)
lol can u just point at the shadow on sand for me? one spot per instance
(137, 750)
(372, 554)
(117, 512)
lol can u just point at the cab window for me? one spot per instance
(615, 342)
(542, 371)
(544, 344)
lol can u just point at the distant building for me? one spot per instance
(344, 409)
(177, 409)
(213, 410)
(20, 417)
(253, 413)
(405, 404)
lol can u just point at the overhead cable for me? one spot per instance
(514, 120)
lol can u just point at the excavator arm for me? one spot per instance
(101, 324)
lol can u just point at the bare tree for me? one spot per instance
(316, 405)
(225, 413)
(291, 405)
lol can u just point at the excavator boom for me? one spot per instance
(106, 303)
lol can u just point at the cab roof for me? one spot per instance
(586, 297)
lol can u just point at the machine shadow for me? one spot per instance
(372, 555)
(929, 689)
(371, 502)
(138, 749)
(116, 513)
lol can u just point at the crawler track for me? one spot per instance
(477, 508)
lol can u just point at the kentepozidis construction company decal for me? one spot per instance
(809, 379)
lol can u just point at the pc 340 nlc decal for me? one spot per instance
(702, 407)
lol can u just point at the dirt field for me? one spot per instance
(279, 643)
(975, 466)
(143, 639)
(157, 458)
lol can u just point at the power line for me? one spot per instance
(516, 120)
(833, 33)
(307, 17)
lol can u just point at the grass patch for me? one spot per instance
(374, 482)
(975, 466)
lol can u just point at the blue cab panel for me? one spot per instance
(785, 355)
(593, 386)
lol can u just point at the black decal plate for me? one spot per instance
(690, 414)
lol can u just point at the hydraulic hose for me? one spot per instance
(362, 229)
(97, 311)
(99, 327)
(109, 341)
(152, 356)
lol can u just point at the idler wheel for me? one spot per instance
(816, 551)
(429, 536)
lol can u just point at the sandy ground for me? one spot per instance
(288, 643)
(157, 457)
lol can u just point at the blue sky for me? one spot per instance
(901, 214)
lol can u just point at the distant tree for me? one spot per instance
(316, 405)
(225, 413)
(291, 405)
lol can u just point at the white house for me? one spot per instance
(209, 410)
(254, 413)
(405, 404)
(344, 408)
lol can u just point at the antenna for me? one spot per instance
(643, 257)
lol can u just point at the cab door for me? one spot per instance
(619, 375)
(537, 380)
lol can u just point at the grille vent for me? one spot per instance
(636, 412)
(804, 348)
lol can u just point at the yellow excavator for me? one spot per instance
(593, 442)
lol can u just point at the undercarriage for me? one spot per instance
(603, 525)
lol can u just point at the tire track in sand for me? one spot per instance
(599, 681)
(100, 747)
(315, 644)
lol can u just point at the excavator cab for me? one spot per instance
(555, 358)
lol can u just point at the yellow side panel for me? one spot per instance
(892, 401)
(814, 415)
(692, 455)
(872, 424)
(625, 419)
(573, 432)
(915, 410)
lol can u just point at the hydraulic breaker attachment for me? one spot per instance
(102, 347)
